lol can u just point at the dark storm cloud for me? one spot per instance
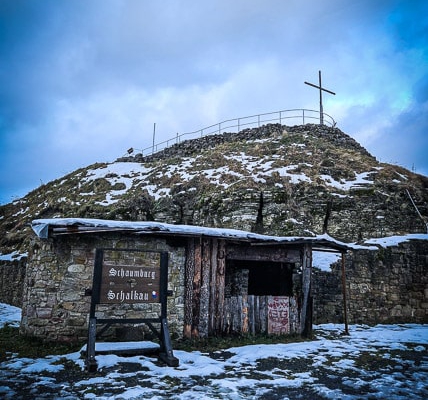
(81, 80)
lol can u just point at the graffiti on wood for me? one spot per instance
(278, 315)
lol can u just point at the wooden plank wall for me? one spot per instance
(204, 293)
(188, 290)
(249, 314)
(206, 310)
(245, 314)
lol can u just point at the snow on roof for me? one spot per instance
(73, 225)
(41, 228)
(396, 240)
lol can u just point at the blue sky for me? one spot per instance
(83, 81)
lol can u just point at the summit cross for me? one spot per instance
(321, 89)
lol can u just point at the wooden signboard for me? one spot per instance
(129, 276)
(133, 281)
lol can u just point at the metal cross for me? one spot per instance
(321, 90)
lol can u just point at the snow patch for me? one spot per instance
(240, 373)
(396, 240)
(323, 260)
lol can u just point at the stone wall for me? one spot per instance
(12, 273)
(59, 271)
(389, 285)
(327, 296)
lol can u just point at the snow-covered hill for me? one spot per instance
(274, 179)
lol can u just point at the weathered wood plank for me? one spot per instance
(259, 253)
(196, 299)
(278, 315)
(252, 310)
(188, 289)
(306, 313)
(257, 314)
(233, 314)
(213, 288)
(244, 313)
(237, 314)
(205, 287)
(220, 282)
(226, 316)
(294, 316)
(263, 313)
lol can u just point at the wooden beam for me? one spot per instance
(188, 288)
(345, 306)
(219, 283)
(306, 313)
(205, 287)
(271, 253)
(213, 288)
(196, 299)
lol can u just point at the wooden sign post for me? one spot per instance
(128, 276)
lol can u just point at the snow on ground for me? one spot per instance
(9, 315)
(323, 260)
(124, 175)
(360, 179)
(385, 361)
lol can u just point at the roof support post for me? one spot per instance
(306, 313)
(345, 307)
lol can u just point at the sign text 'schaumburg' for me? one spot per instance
(131, 283)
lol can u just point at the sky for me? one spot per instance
(83, 81)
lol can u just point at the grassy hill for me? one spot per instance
(279, 180)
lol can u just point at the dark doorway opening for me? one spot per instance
(258, 278)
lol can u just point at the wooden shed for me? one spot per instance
(219, 281)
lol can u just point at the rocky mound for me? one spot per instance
(275, 179)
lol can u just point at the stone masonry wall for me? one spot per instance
(389, 285)
(59, 271)
(12, 275)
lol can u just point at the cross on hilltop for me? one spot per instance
(321, 89)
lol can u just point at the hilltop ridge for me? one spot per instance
(188, 148)
(274, 179)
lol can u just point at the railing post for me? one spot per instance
(280, 120)
(258, 121)
(239, 120)
(219, 128)
(345, 307)
(303, 110)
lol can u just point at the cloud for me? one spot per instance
(83, 81)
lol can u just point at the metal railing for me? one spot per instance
(237, 124)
